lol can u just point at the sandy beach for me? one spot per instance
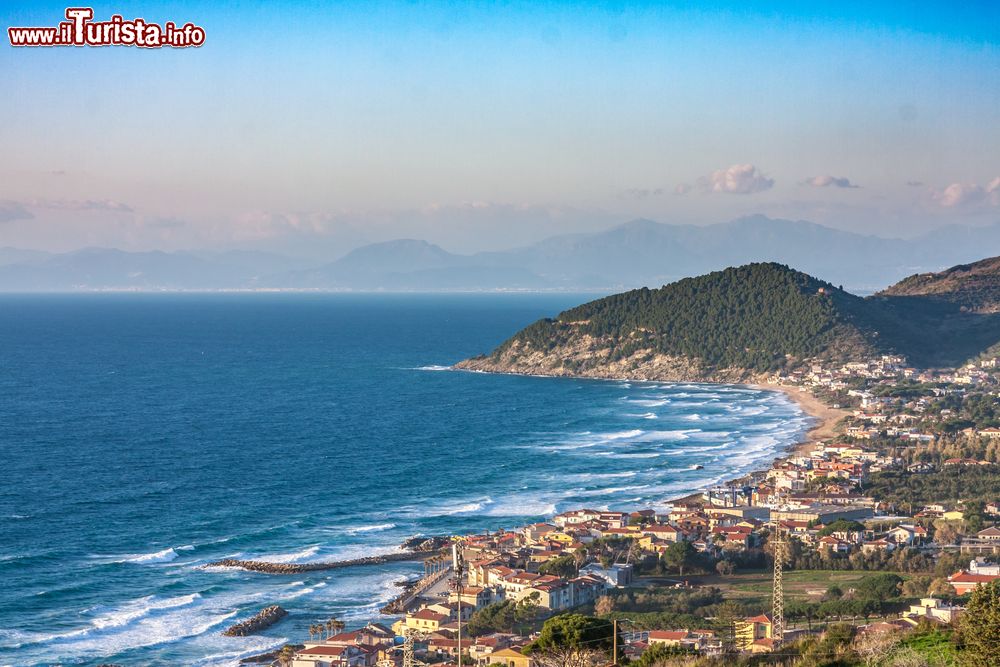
(826, 417)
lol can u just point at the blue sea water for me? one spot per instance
(142, 436)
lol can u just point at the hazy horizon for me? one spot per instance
(310, 131)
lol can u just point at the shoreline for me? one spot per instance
(825, 417)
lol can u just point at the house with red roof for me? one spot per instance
(964, 582)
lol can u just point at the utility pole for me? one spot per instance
(614, 641)
(409, 634)
(778, 593)
(458, 562)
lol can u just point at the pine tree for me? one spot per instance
(981, 627)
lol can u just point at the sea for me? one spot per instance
(143, 436)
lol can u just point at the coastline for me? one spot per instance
(826, 417)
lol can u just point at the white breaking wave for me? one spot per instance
(296, 557)
(433, 367)
(164, 556)
(372, 528)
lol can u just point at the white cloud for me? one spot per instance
(829, 181)
(739, 179)
(969, 194)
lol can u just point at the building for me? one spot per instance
(677, 638)
(750, 631)
(511, 657)
(824, 514)
(991, 534)
(615, 575)
(980, 566)
(964, 582)
(935, 610)
(319, 655)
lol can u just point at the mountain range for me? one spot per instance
(745, 322)
(637, 253)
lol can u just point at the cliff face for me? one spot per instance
(587, 356)
(577, 361)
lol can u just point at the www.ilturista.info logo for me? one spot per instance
(81, 30)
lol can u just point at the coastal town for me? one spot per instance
(885, 522)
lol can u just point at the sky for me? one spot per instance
(310, 128)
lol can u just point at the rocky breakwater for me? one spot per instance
(297, 568)
(426, 544)
(262, 620)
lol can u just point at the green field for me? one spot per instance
(755, 586)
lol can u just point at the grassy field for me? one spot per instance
(755, 586)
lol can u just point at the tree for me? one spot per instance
(660, 654)
(527, 609)
(679, 555)
(726, 616)
(833, 592)
(946, 532)
(725, 567)
(917, 586)
(980, 627)
(562, 566)
(285, 655)
(879, 587)
(569, 657)
(841, 526)
(941, 586)
(604, 605)
(573, 631)
(496, 617)
(874, 646)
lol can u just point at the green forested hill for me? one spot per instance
(758, 318)
(973, 287)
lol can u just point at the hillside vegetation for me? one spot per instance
(738, 324)
(973, 287)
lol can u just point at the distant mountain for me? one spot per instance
(973, 287)
(410, 265)
(647, 253)
(634, 254)
(741, 323)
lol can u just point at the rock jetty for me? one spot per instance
(262, 620)
(298, 568)
(425, 544)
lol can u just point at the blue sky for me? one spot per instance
(303, 127)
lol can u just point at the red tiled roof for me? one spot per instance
(323, 650)
(969, 578)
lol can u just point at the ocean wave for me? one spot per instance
(249, 646)
(375, 527)
(164, 556)
(433, 367)
(307, 590)
(649, 402)
(295, 557)
(591, 476)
